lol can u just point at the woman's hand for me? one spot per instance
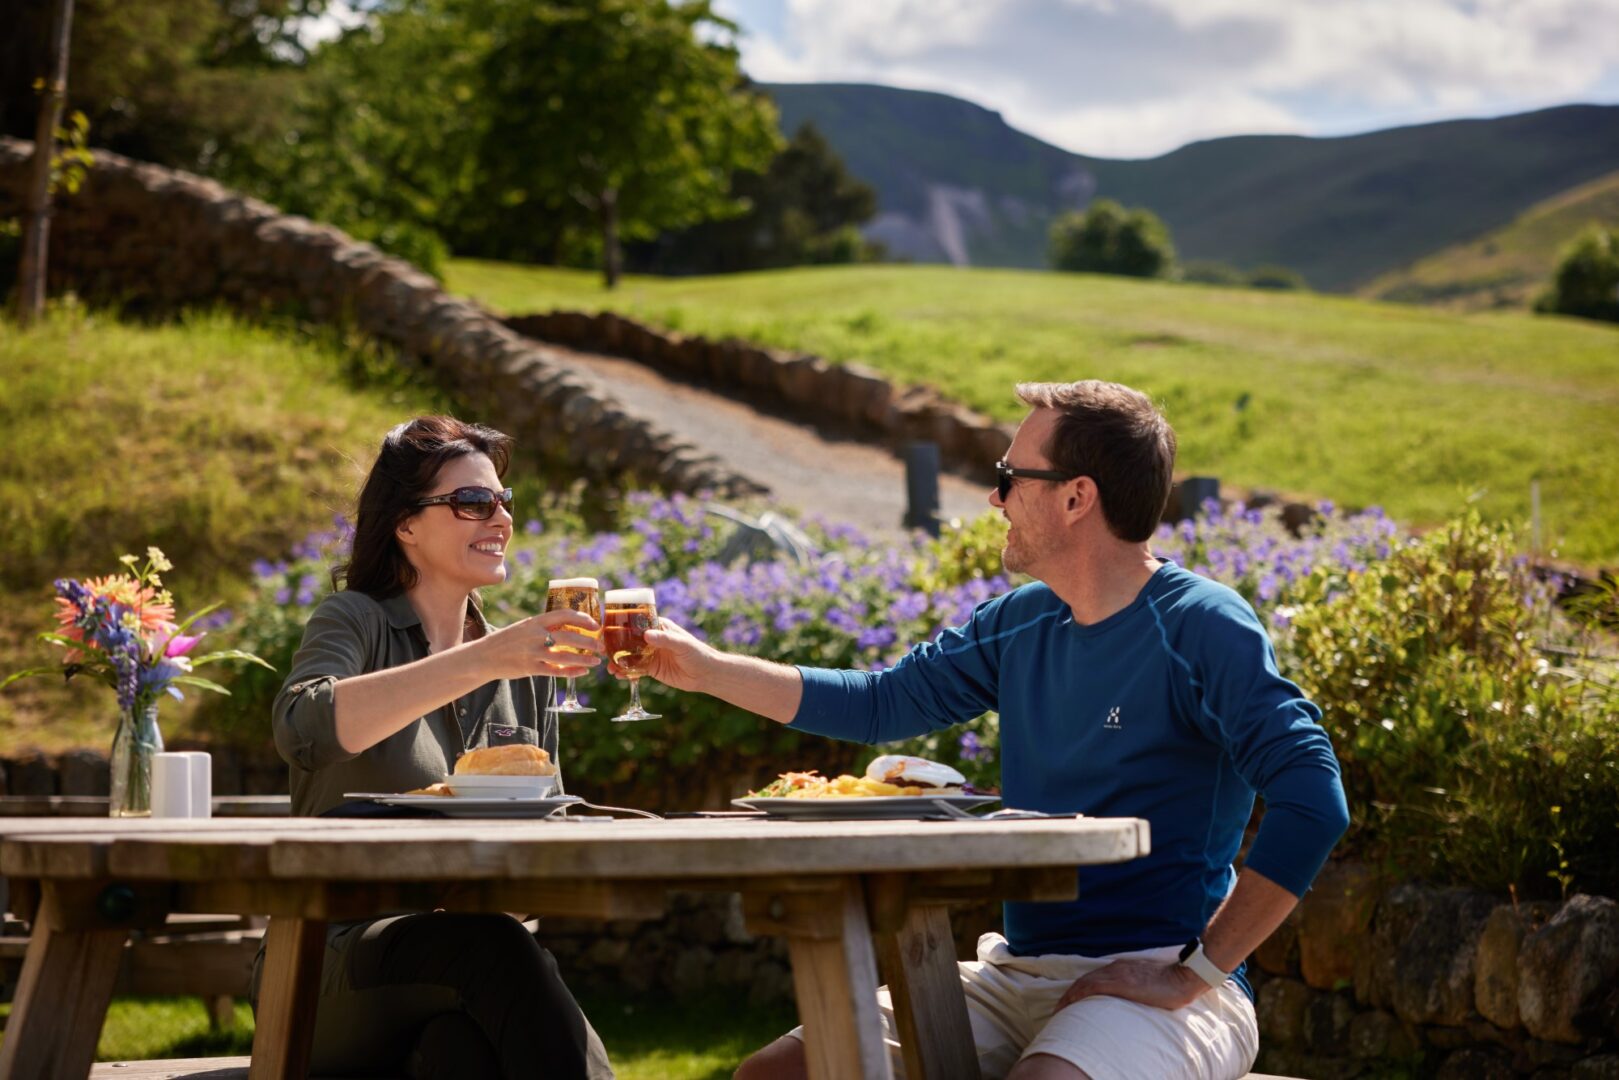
(677, 658)
(521, 649)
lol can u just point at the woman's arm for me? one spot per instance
(368, 708)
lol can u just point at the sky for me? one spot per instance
(1138, 78)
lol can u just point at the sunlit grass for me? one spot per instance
(1365, 403)
(694, 1038)
(216, 440)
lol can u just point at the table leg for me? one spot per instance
(61, 999)
(918, 959)
(835, 977)
(288, 991)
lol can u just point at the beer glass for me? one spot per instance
(627, 615)
(576, 594)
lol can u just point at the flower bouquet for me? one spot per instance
(120, 629)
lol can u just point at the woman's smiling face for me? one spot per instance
(446, 548)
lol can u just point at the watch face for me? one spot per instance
(1188, 949)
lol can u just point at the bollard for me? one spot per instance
(922, 487)
(1194, 491)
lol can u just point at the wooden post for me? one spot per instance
(918, 959)
(37, 211)
(835, 977)
(294, 950)
(62, 994)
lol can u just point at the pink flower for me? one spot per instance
(180, 645)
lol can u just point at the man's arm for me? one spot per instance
(759, 686)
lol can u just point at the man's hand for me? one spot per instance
(1150, 982)
(677, 658)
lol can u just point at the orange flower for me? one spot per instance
(156, 617)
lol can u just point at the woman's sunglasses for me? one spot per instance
(1005, 474)
(472, 503)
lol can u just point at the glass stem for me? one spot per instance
(571, 699)
(635, 695)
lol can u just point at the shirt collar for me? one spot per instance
(400, 613)
(402, 616)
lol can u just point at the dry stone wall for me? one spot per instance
(155, 239)
(850, 396)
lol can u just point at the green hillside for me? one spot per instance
(1365, 403)
(214, 440)
(1509, 266)
(1339, 210)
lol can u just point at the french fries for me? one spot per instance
(812, 785)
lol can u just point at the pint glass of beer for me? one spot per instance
(628, 615)
(574, 594)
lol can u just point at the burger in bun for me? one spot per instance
(931, 776)
(516, 760)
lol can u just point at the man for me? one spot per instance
(1126, 686)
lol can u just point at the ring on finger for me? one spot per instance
(550, 642)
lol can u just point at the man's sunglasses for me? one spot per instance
(1005, 474)
(472, 503)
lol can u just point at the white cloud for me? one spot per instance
(1134, 77)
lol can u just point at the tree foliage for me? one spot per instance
(185, 83)
(1587, 280)
(804, 209)
(631, 114)
(1108, 239)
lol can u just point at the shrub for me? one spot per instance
(1107, 239)
(1466, 755)
(1586, 282)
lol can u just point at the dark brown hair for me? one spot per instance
(412, 455)
(1118, 438)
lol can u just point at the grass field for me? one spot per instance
(700, 1038)
(1365, 403)
(1510, 266)
(217, 441)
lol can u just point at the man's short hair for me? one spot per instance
(1118, 438)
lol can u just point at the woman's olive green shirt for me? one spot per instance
(351, 634)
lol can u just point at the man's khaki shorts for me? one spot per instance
(1010, 1001)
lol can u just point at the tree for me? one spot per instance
(805, 208)
(1587, 280)
(1107, 239)
(632, 111)
(37, 212)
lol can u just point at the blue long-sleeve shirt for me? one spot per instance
(1170, 710)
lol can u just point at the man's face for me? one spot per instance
(1032, 507)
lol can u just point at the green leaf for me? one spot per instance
(200, 683)
(231, 654)
(9, 679)
(193, 617)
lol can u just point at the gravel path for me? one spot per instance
(804, 467)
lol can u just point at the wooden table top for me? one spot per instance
(391, 850)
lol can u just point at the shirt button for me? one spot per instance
(462, 710)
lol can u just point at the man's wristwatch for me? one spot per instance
(1194, 957)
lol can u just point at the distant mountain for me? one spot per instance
(956, 184)
(1507, 267)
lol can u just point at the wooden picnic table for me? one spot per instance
(847, 895)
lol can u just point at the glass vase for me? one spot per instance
(132, 749)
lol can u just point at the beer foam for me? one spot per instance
(571, 583)
(629, 597)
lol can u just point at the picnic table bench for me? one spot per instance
(849, 896)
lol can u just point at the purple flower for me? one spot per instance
(282, 596)
(973, 749)
(876, 637)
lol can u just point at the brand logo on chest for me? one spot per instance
(1113, 723)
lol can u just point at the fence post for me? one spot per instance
(922, 487)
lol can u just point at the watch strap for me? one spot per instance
(1205, 968)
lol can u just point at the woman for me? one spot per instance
(398, 675)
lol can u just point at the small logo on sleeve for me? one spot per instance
(1113, 723)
